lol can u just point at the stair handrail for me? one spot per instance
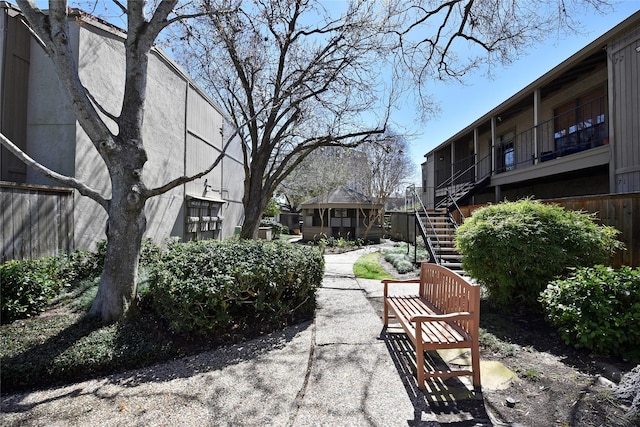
(418, 219)
(449, 181)
(457, 208)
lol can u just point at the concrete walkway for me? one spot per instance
(342, 369)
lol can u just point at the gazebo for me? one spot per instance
(341, 213)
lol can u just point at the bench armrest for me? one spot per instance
(386, 283)
(463, 315)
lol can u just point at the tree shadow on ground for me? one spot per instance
(444, 402)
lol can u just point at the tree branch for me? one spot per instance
(84, 189)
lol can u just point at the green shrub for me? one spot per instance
(28, 285)
(599, 309)
(150, 253)
(516, 248)
(211, 286)
(25, 288)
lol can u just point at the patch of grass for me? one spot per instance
(532, 374)
(368, 267)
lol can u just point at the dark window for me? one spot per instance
(581, 123)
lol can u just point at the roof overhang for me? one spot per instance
(191, 196)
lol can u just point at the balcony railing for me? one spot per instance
(586, 129)
(577, 130)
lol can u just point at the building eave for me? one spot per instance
(590, 49)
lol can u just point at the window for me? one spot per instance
(580, 123)
(203, 221)
(506, 152)
(339, 213)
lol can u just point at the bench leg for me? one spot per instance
(420, 357)
(475, 364)
(386, 313)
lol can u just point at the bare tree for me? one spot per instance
(317, 73)
(447, 39)
(308, 69)
(389, 166)
(123, 152)
(321, 171)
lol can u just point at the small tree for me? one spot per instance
(516, 248)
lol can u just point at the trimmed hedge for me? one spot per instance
(599, 309)
(215, 287)
(516, 248)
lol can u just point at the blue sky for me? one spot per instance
(462, 104)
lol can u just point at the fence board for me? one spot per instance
(37, 221)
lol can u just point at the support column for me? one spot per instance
(536, 122)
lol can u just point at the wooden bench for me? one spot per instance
(444, 314)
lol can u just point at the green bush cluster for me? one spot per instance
(516, 248)
(210, 286)
(27, 285)
(597, 308)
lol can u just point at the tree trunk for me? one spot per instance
(254, 201)
(117, 291)
(126, 225)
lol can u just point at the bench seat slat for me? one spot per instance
(439, 332)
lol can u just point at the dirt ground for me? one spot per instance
(557, 386)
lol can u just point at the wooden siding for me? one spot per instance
(621, 211)
(204, 144)
(36, 221)
(625, 62)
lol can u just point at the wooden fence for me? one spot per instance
(37, 221)
(621, 211)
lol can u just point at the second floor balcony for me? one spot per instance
(582, 128)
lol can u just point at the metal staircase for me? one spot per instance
(437, 229)
(463, 184)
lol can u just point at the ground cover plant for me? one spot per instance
(515, 249)
(277, 281)
(402, 256)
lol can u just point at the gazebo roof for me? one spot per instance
(341, 197)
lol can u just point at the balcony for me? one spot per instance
(580, 129)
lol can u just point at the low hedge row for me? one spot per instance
(215, 287)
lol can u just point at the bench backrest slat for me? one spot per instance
(449, 292)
